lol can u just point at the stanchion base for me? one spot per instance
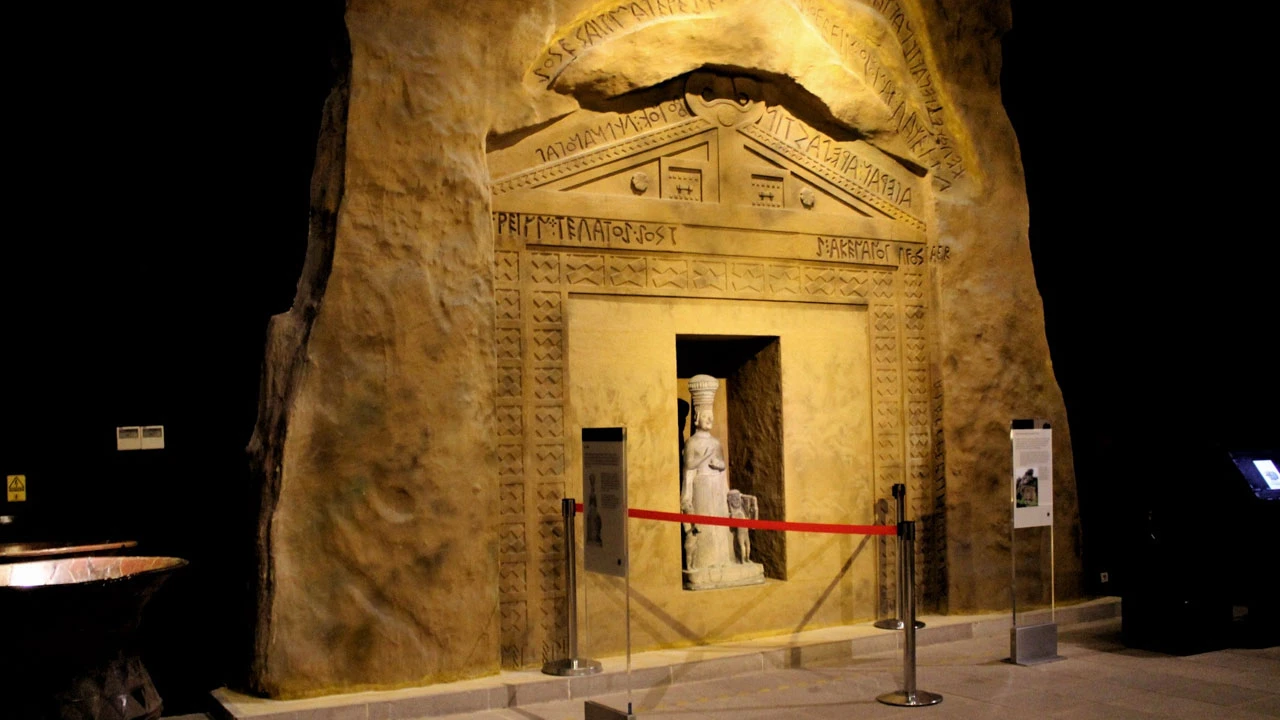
(894, 624)
(592, 710)
(1034, 644)
(572, 667)
(902, 698)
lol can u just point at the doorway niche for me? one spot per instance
(748, 423)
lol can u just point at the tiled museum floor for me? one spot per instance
(1099, 678)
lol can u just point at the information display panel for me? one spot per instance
(1032, 474)
(1261, 470)
(604, 507)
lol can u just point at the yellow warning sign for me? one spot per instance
(17, 487)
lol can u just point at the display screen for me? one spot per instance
(1269, 473)
(1261, 471)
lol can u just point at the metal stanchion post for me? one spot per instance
(572, 665)
(909, 696)
(895, 623)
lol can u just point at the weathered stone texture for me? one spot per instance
(992, 350)
(423, 433)
(382, 536)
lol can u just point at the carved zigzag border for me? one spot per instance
(544, 174)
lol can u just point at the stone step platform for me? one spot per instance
(649, 669)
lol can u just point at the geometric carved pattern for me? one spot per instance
(511, 578)
(510, 460)
(767, 191)
(887, 382)
(917, 414)
(508, 304)
(547, 308)
(708, 275)
(544, 268)
(530, 348)
(888, 444)
(553, 612)
(551, 538)
(548, 346)
(669, 273)
(551, 580)
(548, 422)
(506, 266)
(548, 460)
(885, 320)
(886, 388)
(914, 322)
(511, 501)
(530, 416)
(748, 278)
(889, 474)
(578, 161)
(514, 626)
(882, 285)
(508, 343)
(888, 449)
(917, 445)
(821, 281)
(915, 352)
(913, 287)
(584, 269)
(784, 280)
(508, 382)
(927, 495)
(917, 377)
(801, 157)
(853, 283)
(512, 614)
(548, 384)
(886, 350)
(682, 184)
(509, 420)
(627, 271)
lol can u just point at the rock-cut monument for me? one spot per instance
(715, 556)
(534, 218)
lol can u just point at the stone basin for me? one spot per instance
(70, 635)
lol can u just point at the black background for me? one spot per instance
(158, 214)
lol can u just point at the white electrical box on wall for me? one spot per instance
(129, 438)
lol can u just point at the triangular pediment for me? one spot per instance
(720, 148)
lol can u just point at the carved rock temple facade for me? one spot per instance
(530, 219)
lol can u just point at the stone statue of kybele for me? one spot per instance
(712, 557)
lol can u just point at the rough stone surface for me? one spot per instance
(421, 400)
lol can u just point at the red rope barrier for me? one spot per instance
(831, 528)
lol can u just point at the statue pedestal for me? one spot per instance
(724, 576)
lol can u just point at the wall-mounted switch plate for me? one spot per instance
(153, 437)
(129, 438)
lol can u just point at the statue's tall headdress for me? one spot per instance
(702, 388)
